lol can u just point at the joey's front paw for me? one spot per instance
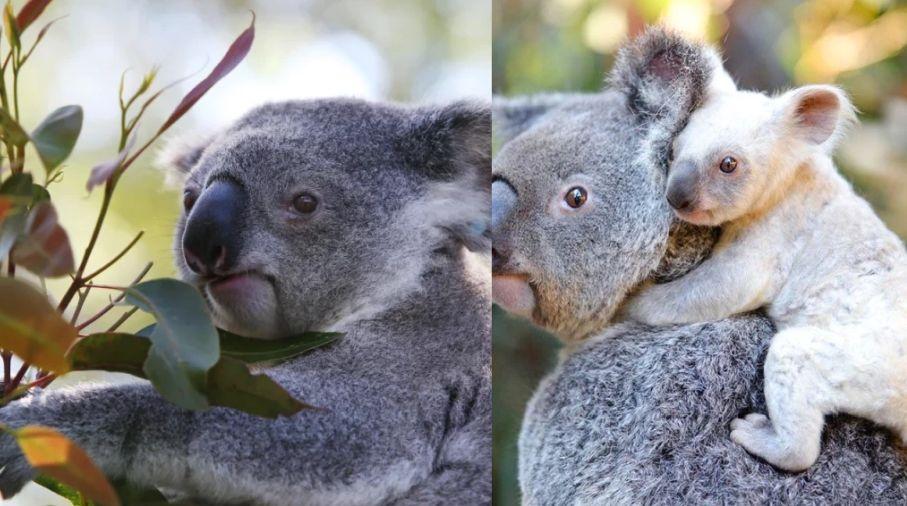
(15, 472)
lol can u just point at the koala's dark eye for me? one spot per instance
(189, 198)
(305, 203)
(576, 197)
(728, 164)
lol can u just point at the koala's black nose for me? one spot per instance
(682, 183)
(211, 240)
(503, 201)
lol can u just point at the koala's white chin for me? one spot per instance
(245, 305)
(514, 294)
(698, 217)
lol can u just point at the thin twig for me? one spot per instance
(83, 295)
(115, 300)
(122, 319)
(115, 259)
(7, 365)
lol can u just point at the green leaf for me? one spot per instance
(184, 341)
(111, 351)
(39, 194)
(134, 495)
(11, 130)
(55, 137)
(251, 350)
(33, 329)
(10, 26)
(19, 187)
(68, 493)
(44, 248)
(230, 384)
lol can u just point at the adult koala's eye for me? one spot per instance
(728, 164)
(189, 198)
(576, 197)
(305, 203)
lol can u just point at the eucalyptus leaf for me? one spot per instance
(56, 136)
(229, 383)
(251, 350)
(11, 130)
(184, 341)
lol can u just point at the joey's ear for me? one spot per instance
(514, 115)
(663, 74)
(818, 114)
(452, 145)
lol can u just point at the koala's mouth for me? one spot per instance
(235, 284)
(696, 216)
(514, 293)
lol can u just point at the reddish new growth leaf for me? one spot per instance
(45, 249)
(104, 171)
(30, 12)
(238, 50)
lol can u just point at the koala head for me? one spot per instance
(312, 214)
(578, 210)
(741, 149)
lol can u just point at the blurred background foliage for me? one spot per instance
(556, 45)
(414, 51)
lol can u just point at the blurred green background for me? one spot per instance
(415, 51)
(556, 45)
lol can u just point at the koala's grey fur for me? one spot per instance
(406, 392)
(636, 414)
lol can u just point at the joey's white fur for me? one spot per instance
(798, 241)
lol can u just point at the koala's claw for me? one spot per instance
(755, 420)
(15, 471)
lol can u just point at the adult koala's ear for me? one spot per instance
(664, 77)
(452, 145)
(179, 156)
(513, 116)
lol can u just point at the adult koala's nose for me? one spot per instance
(503, 203)
(682, 184)
(211, 240)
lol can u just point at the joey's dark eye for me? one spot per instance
(189, 198)
(305, 203)
(728, 164)
(576, 197)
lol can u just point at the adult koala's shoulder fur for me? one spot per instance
(394, 260)
(635, 414)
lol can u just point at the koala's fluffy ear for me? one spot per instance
(818, 114)
(513, 116)
(453, 143)
(179, 156)
(663, 74)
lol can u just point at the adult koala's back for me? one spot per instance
(368, 219)
(635, 414)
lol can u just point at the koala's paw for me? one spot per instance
(15, 471)
(755, 433)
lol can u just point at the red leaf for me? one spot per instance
(235, 54)
(30, 12)
(45, 249)
(102, 172)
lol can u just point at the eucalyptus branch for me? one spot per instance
(114, 259)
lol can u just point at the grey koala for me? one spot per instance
(342, 215)
(636, 414)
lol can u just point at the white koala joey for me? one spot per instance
(797, 241)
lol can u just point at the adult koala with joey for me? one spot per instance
(343, 215)
(636, 414)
